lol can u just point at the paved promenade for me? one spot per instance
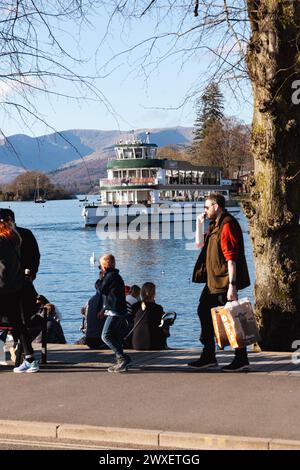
(159, 402)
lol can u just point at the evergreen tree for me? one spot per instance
(209, 111)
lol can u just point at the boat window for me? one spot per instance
(175, 177)
(131, 196)
(194, 177)
(214, 177)
(138, 153)
(119, 153)
(168, 177)
(124, 197)
(206, 178)
(143, 197)
(132, 173)
(209, 177)
(128, 153)
(181, 177)
(152, 152)
(145, 173)
(188, 177)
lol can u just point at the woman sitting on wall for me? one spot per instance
(147, 334)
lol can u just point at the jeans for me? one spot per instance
(10, 308)
(112, 334)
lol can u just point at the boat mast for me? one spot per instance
(38, 188)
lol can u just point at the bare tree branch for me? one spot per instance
(148, 7)
(196, 8)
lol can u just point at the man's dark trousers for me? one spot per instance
(206, 303)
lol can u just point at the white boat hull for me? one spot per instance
(172, 212)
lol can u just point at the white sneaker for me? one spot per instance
(27, 367)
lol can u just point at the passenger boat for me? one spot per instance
(141, 185)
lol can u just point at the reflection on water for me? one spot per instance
(67, 278)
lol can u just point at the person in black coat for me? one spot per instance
(29, 259)
(29, 250)
(92, 323)
(11, 283)
(147, 334)
(55, 332)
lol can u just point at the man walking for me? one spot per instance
(222, 266)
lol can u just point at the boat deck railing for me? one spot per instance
(128, 181)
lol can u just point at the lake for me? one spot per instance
(67, 278)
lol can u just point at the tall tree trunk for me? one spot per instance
(273, 61)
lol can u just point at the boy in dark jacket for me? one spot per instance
(113, 289)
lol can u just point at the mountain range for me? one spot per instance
(75, 158)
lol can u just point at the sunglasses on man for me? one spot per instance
(207, 207)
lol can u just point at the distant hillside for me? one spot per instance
(81, 177)
(9, 173)
(43, 153)
(61, 153)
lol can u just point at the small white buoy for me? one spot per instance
(93, 259)
(163, 272)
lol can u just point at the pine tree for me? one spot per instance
(209, 110)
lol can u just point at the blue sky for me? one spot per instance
(137, 101)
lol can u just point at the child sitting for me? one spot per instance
(132, 297)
